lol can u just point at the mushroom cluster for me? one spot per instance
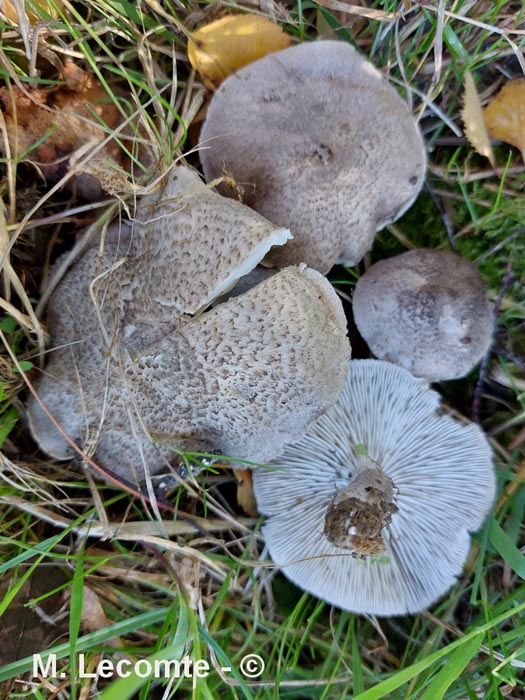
(140, 370)
(372, 509)
(176, 339)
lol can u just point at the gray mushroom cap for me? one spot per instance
(435, 472)
(133, 378)
(427, 311)
(318, 141)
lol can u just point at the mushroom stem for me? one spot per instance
(358, 513)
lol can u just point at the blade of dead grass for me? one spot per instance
(11, 279)
(130, 530)
(359, 10)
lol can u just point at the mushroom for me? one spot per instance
(427, 311)
(139, 371)
(371, 510)
(318, 141)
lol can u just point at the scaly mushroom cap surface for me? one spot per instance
(319, 142)
(372, 509)
(427, 311)
(189, 246)
(133, 377)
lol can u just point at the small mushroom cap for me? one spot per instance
(132, 377)
(427, 311)
(319, 142)
(443, 481)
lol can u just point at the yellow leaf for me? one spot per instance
(220, 48)
(505, 115)
(472, 116)
(9, 9)
(245, 495)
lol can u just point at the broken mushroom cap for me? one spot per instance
(189, 229)
(133, 378)
(318, 141)
(372, 509)
(427, 311)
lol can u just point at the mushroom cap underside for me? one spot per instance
(443, 481)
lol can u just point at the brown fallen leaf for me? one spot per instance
(472, 116)
(30, 628)
(46, 127)
(245, 497)
(220, 48)
(93, 616)
(505, 114)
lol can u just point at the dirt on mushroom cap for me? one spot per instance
(319, 142)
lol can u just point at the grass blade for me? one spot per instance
(453, 667)
(506, 548)
(86, 643)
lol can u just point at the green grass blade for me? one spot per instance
(223, 658)
(86, 643)
(9, 420)
(453, 667)
(506, 548)
(382, 689)
(126, 687)
(30, 551)
(75, 615)
(123, 688)
(357, 666)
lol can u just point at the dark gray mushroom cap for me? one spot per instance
(372, 509)
(319, 142)
(133, 377)
(427, 311)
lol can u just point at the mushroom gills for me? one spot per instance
(399, 546)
